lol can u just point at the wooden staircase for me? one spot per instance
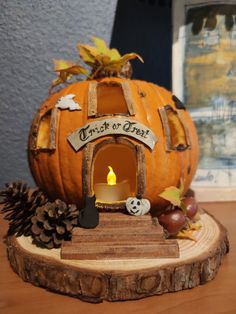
(120, 236)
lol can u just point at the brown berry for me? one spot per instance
(191, 206)
(173, 221)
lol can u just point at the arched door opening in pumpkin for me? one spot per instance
(114, 161)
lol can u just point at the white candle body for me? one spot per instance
(112, 193)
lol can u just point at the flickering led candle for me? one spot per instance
(112, 191)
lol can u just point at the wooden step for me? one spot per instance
(116, 237)
(115, 219)
(110, 250)
(117, 230)
(120, 236)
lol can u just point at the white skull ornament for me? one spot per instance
(137, 207)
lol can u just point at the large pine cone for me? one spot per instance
(19, 205)
(53, 223)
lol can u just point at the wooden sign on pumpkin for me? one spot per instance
(94, 130)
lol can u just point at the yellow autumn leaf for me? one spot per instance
(100, 45)
(103, 59)
(186, 234)
(102, 49)
(110, 59)
(76, 70)
(87, 53)
(65, 70)
(114, 54)
(195, 226)
(172, 194)
(60, 65)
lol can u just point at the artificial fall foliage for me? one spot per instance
(175, 196)
(65, 70)
(187, 232)
(99, 58)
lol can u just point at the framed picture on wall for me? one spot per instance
(204, 78)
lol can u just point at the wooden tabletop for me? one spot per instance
(217, 296)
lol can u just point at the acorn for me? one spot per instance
(173, 221)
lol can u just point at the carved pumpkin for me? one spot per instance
(62, 172)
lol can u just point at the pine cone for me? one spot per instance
(19, 205)
(53, 223)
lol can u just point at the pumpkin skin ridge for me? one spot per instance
(72, 116)
(167, 158)
(77, 166)
(146, 114)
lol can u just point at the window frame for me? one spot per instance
(167, 131)
(92, 99)
(54, 113)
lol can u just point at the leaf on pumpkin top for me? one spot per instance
(60, 65)
(65, 70)
(172, 194)
(88, 53)
(129, 56)
(100, 44)
(64, 66)
(102, 58)
(114, 54)
(76, 70)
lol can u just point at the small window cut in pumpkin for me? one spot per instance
(45, 138)
(110, 98)
(175, 131)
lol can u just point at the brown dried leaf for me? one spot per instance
(129, 56)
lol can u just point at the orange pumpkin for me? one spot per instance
(69, 174)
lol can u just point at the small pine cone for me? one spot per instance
(53, 223)
(19, 205)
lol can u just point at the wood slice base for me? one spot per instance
(115, 280)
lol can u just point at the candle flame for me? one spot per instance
(111, 177)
